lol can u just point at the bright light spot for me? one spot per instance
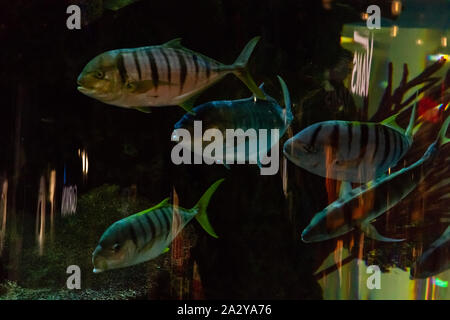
(394, 31)
(436, 57)
(364, 15)
(444, 41)
(441, 283)
(396, 7)
(84, 162)
(346, 40)
(419, 42)
(389, 171)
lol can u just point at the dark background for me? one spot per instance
(44, 120)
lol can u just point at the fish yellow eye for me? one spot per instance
(99, 74)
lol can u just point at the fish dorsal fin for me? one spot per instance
(391, 122)
(163, 203)
(287, 102)
(410, 129)
(174, 43)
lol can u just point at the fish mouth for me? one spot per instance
(83, 89)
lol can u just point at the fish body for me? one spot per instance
(349, 151)
(251, 114)
(148, 234)
(155, 76)
(435, 259)
(361, 205)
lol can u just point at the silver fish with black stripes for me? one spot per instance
(161, 75)
(350, 151)
(147, 234)
(362, 205)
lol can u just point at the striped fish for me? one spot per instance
(434, 260)
(244, 114)
(350, 151)
(147, 234)
(161, 75)
(362, 205)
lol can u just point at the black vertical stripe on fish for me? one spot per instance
(164, 215)
(334, 141)
(132, 233)
(183, 69)
(194, 58)
(154, 68)
(208, 68)
(314, 136)
(142, 228)
(136, 62)
(350, 137)
(121, 68)
(163, 227)
(151, 225)
(363, 141)
(396, 142)
(169, 71)
(387, 145)
(400, 145)
(377, 142)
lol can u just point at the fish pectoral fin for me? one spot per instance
(345, 188)
(166, 250)
(189, 104)
(370, 231)
(144, 109)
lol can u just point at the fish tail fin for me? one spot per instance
(287, 101)
(443, 132)
(201, 206)
(239, 68)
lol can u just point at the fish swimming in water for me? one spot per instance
(434, 260)
(246, 117)
(350, 151)
(361, 205)
(156, 76)
(147, 234)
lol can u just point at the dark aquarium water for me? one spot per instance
(142, 158)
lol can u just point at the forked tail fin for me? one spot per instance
(202, 205)
(239, 68)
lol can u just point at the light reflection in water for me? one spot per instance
(395, 284)
(40, 216)
(69, 200)
(51, 199)
(3, 206)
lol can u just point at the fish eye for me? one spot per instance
(130, 86)
(116, 247)
(308, 148)
(99, 74)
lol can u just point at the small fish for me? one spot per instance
(358, 207)
(161, 75)
(245, 114)
(350, 151)
(434, 260)
(147, 234)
